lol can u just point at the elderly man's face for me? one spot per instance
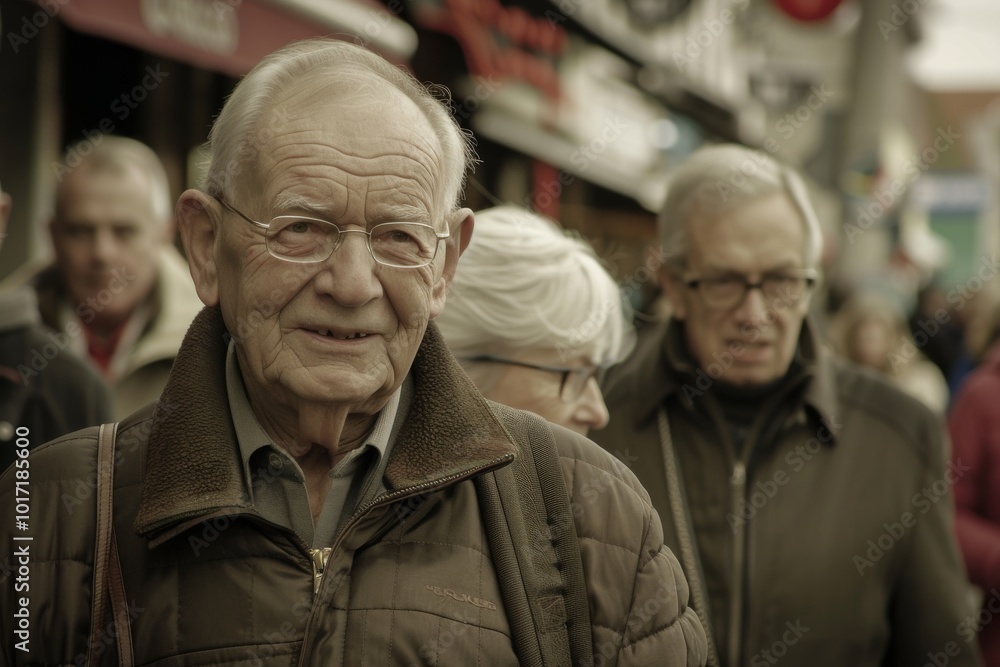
(107, 240)
(344, 330)
(753, 342)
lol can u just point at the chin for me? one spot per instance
(333, 387)
(751, 377)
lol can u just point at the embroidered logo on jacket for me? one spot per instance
(461, 597)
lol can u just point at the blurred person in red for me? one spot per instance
(44, 391)
(810, 503)
(534, 318)
(117, 278)
(974, 425)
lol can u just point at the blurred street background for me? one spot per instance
(580, 109)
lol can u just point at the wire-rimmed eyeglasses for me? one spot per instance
(573, 382)
(728, 291)
(305, 240)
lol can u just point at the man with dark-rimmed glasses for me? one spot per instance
(788, 483)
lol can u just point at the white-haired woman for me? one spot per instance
(534, 318)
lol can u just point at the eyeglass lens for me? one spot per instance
(394, 243)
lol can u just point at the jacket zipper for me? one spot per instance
(738, 481)
(320, 557)
(389, 498)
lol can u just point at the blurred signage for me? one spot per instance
(499, 41)
(210, 26)
(952, 192)
(604, 129)
(229, 36)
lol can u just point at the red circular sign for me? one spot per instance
(808, 10)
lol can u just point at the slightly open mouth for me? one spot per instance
(330, 334)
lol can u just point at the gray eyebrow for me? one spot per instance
(286, 201)
(405, 213)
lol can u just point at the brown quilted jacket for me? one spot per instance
(410, 580)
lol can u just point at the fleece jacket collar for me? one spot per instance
(193, 464)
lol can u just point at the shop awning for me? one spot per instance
(231, 36)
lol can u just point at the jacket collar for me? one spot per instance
(656, 372)
(192, 461)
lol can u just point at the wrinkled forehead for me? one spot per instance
(345, 135)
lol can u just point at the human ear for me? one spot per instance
(198, 217)
(460, 223)
(673, 288)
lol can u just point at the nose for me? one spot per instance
(753, 309)
(103, 247)
(348, 275)
(590, 409)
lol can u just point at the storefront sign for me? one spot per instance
(499, 41)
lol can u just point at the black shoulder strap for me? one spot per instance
(108, 583)
(532, 535)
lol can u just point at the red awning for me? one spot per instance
(231, 36)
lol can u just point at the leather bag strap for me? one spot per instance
(108, 583)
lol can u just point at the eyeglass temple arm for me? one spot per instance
(229, 206)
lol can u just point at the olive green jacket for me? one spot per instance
(829, 539)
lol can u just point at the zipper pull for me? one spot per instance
(320, 557)
(739, 474)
